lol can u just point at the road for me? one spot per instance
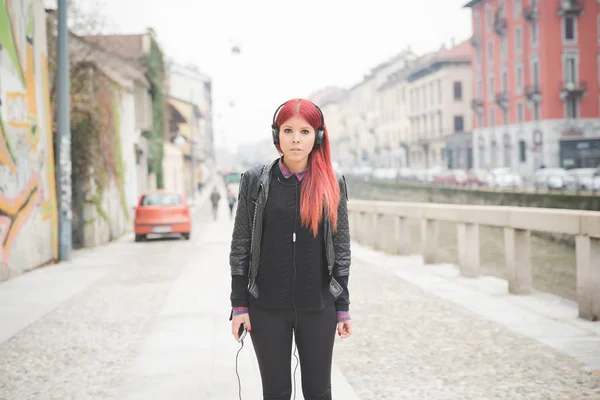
(150, 320)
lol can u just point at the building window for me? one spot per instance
(519, 79)
(503, 47)
(569, 30)
(505, 116)
(490, 88)
(517, 9)
(459, 125)
(479, 121)
(480, 84)
(570, 68)
(522, 151)
(520, 113)
(518, 41)
(536, 111)
(535, 72)
(490, 51)
(534, 34)
(572, 108)
(439, 87)
(458, 91)
(492, 117)
(488, 17)
(417, 103)
(504, 81)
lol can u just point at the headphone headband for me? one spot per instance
(319, 134)
(316, 106)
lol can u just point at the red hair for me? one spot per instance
(320, 188)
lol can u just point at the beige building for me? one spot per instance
(439, 107)
(331, 101)
(363, 113)
(186, 128)
(173, 168)
(393, 126)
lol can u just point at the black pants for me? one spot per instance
(272, 340)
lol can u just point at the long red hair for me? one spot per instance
(320, 188)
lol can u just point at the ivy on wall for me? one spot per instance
(96, 140)
(156, 75)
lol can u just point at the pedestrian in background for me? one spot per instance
(290, 255)
(231, 200)
(215, 196)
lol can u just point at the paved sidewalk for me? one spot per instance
(430, 334)
(131, 321)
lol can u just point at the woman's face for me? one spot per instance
(296, 139)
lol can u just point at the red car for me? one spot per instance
(162, 213)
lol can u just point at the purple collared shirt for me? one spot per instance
(287, 173)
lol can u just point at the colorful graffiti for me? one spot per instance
(28, 215)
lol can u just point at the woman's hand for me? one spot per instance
(344, 329)
(236, 321)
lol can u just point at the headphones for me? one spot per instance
(319, 134)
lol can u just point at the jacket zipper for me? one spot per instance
(253, 226)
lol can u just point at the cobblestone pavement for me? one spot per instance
(81, 349)
(409, 344)
(136, 332)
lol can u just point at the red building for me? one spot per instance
(536, 83)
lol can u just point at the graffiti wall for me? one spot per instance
(28, 218)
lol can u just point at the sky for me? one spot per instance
(288, 48)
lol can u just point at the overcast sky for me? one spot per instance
(289, 48)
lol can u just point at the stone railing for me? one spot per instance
(518, 222)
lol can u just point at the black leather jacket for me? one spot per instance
(244, 257)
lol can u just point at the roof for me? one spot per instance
(460, 51)
(328, 95)
(404, 54)
(126, 46)
(434, 61)
(473, 3)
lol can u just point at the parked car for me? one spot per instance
(554, 179)
(162, 213)
(478, 177)
(586, 178)
(505, 178)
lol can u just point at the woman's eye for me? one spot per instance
(305, 132)
(287, 130)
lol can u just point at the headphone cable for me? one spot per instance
(236, 370)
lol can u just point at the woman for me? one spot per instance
(290, 255)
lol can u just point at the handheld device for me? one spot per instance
(242, 332)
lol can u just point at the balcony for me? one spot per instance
(476, 40)
(502, 99)
(533, 93)
(531, 13)
(567, 8)
(572, 89)
(500, 24)
(477, 106)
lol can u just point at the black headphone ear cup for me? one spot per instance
(319, 137)
(275, 133)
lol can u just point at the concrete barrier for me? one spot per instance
(518, 222)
